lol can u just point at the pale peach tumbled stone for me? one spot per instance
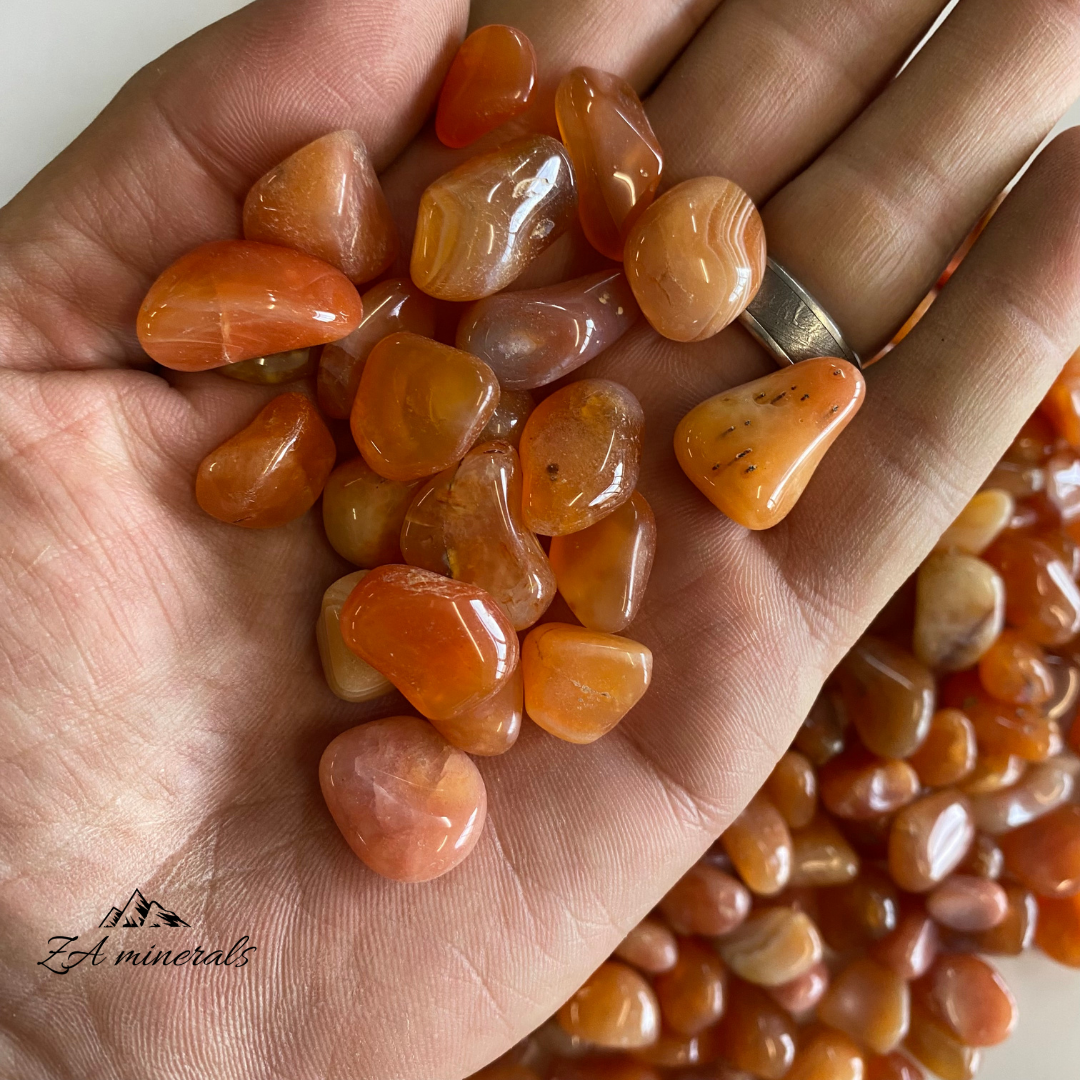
(968, 904)
(695, 258)
(410, 805)
(773, 946)
(326, 200)
(650, 947)
(978, 524)
(349, 677)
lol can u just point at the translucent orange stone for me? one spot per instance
(602, 571)
(233, 300)
(980, 522)
(409, 804)
(890, 696)
(705, 900)
(617, 157)
(691, 994)
(824, 1054)
(792, 789)
(363, 512)
(650, 947)
(491, 80)
(759, 845)
(865, 910)
(800, 995)
(672, 1050)
(695, 258)
(272, 370)
(929, 839)
(773, 946)
(892, 1067)
(580, 683)
(912, 947)
(420, 406)
(860, 786)
(1014, 670)
(509, 418)
(389, 307)
(948, 752)
(1043, 788)
(482, 223)
(984, 859)
(491, 727)
(755, 1034)
(532, 337)
(821, 856)
(1042, 599)
(1062, 402)
(615, 1008)
(1045, 855)
(970, 997)
(753, 449)
(968, 904)
(824, 731)
(466, 522)
(931, 1042)
(270, 472)
(994, 772)
(869, 1002)
(1058, 930)
(1016, 931)
(446, 645)
(580, 456)
(327, 201)
(346, 674)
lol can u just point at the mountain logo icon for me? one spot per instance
(139, 911)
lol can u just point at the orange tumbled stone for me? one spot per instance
(615, 1008)
(509, 418)
(272, 370)
(706, 900)
(759, 844)
(1058, 929)
(823, 734)
(672, 1050)
(602, 571)
(491, 727)
(580, 683)
(825, 1054)
(466, 522)
(349, 677)
(773, 946)
(1016, 931)
(580, 456)
(270, 472)
(948, 752)
(482, 223)
(327, 201)
(931, 1042)
(492, 79)
(1045, 855)
(695, 258)
(1042, 788)
(929, 839)
(860, 912)
(1014, 670)
(753, 449)
(233, 300)
(869, 1002)
(409, 804)
(970, 997)
(389, 307)
(792, 789)
(446, 645)
(420, 406)
(912, 947)
(967, 903)
(755, 1034)
(821, 856)
(1062, 403)
(892, 1066)
(650, 947)
(860, 786)
(363, 512)
(801, 994)
(691, 994)
(616, 155)
(978, 525)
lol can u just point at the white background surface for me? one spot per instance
(60, 63)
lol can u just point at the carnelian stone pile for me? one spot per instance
(925, 819)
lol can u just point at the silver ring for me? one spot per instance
(790, 323)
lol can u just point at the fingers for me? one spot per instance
(870, 225)
(164, 167)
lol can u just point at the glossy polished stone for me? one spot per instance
(1017, 930)
(446, 645)
(389, 307)
(792, 789)
(1015, 670)
(615, 1008)
(825, 1054)
(508, 421)
(616, 155)
(759, 844)
(968, 904)
(650, 947)
(752, 450)
(482, 223)
(970, 997)
(911, 947)
(773, 946)
(493, 726)
(602, 571)
(535, 336)
(272, 370)
(580, 456)
(349, 677)
(869, 1002)
(978, 525)
(800, 995)
(931, 1042)
(859, 786)
(233, 300)
(492, 79)
(821, 855)
(1043, 788)
(863, 911)
(467, 523)
(1062, 402)
(755, 1034)
(695, 258)
(1058, 931)
(691, 993)
(706, 900)
(420, 406)
(929, 839)
(410, 805)
(363, 512)
(327, 201)
(1045, 855)
(948, 753)
(271, 471)
(580, 683)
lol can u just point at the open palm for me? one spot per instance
(163, 706)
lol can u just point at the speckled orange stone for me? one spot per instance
(752, 450)
(233, 300)
(492, 79)
(409, 804)
(326, 200)
(272, 471)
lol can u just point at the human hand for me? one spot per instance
(164, 708)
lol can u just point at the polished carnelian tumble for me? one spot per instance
(492, 80)
(706, 900)
(270, 472)
(759, 844)
(753, 449)
(395, 614)
(615, 1008)
(691, 993)
(233, 300)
